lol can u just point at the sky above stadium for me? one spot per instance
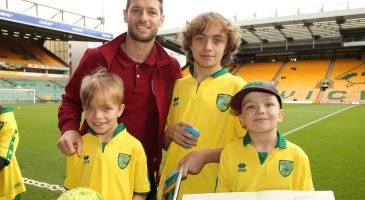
(177, 12)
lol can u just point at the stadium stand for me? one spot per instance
(45, 90)
(297, 82)
(11, 53)
(301, 53)
(348, 82)
(28, 70)
(44, 56)
(26, 52)
(258, 71)
(26, 65)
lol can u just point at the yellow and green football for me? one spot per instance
(81, 193)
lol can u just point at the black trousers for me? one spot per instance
(153, 192)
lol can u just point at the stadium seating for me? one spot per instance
(25, 52)
(24, 64)
(43, 57)
(349, 82)
(44, 88)
(258, 71)
(12, 53)
(299, 79)
(8, 97)
(4, 84)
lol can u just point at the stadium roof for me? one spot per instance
(15, 24)
(323, 30)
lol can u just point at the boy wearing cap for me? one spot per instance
(263, 159)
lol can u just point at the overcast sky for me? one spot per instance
(177, 12)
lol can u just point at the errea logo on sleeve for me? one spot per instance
(176, 101)
(86, 159)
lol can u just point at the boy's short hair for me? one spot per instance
(103, 85)
(198, 25)
(254, 86)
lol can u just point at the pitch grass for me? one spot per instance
(335, 147)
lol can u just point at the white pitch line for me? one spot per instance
(317, 120)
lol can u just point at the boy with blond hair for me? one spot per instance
(112, 161)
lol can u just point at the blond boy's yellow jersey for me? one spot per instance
(116, 170)
(11, 181)
(205, 105)
(285, 168)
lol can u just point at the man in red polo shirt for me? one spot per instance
(148, 73)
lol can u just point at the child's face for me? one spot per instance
(260, 112)
(209, 47)
(102, 117)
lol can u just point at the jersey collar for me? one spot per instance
(6, 110)
(214, 75)
(118, 130)
(280, 144)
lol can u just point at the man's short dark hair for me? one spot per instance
(161, 6)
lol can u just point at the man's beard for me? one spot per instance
(135, 36)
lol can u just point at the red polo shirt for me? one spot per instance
(139, 99)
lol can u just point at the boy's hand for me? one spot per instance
(70, 142)
(193, 163)
(177, 134)
(139, 197)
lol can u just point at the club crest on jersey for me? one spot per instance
(123, 160)
(241, 167)
(1, 125)
(286, 167)
(223, 101)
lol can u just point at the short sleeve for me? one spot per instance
(141, 182)
(71, 175)
(306, 182)
(223, 182)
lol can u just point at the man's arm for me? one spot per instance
(69, 112)
(69, 116)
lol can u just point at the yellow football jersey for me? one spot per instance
(285, 168)
(11, 181)
(116, 170)
(206, 105)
